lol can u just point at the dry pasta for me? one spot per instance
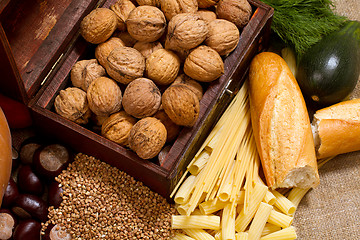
(195, 222)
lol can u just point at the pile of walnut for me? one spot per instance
(160, 52)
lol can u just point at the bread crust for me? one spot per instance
(281, 124)
(5, 154)
(338, 127)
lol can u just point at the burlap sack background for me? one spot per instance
(332, 210)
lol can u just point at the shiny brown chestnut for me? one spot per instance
(30, 206)
(56, 233)
(10, 195)
(54, 194)
(28, 229)
(6, 225)
(28, 181)
(50, 160)
(28, 148)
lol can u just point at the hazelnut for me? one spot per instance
(174, 7)
(207, 15)
(128, 40)
(181, 105)
(98, 25)
(186, 30)
(155, 3)
(124, 64)
(223, 36)
(117, 127)
(204, 64)
(172, 129)
(235, 11)
(207, 3)
(142, 98)
(104, 96)
(146, 23)
(103, 50)
(162, 66)
(147, 137)
(122, 9)
(147, 48)
(72, 104)
(191, 83)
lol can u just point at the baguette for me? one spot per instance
(5, 154)
(281, 124)
(336, 129)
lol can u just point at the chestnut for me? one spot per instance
(28, 229)
(50, 160)
(7, 211)
(28, 181)
(10, 195)
(15, 159)
(6, 225)
(56, 233)
(30, 206)
(28, 148)
(54, 194)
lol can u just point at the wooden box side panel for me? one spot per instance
(87, 142)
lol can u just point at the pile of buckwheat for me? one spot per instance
(102, 202)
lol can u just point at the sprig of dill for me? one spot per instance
(302, 23)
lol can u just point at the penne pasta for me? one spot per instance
(269, 228)
(211, 206)
(242, 236)
(288, 233)
(296, 194)
(280, 219)
(180, 236)
(259, 221)
(199, 234)
(228, 223)
(283, 204)
(184, 191)
(200, 162)
(195, 222)
(244, 218)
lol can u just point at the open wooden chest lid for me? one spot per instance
(34, 39)
(40, 68)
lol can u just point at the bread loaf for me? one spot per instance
(5, 154)
(281, 124)
(336, 129)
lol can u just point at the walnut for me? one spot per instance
(124, 64)
(207, 15)
(142, 98)
(186, 31)
(146, 23)
(147, 48)
(104, 96)
(172, 129)
(128, 40)
(84, 72)
(103, 50)
(235, 11)
(155, 3)
(207, 3)
(117, 128)
(98, 25)
(162, 66)
(122, 9)
(223, 36)
(174, 7)
(147, 137)
(181, 105)
(204, 64)
(72, 104)
(191, 83)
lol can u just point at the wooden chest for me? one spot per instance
(40, 42)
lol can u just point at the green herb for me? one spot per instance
(302, 23)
